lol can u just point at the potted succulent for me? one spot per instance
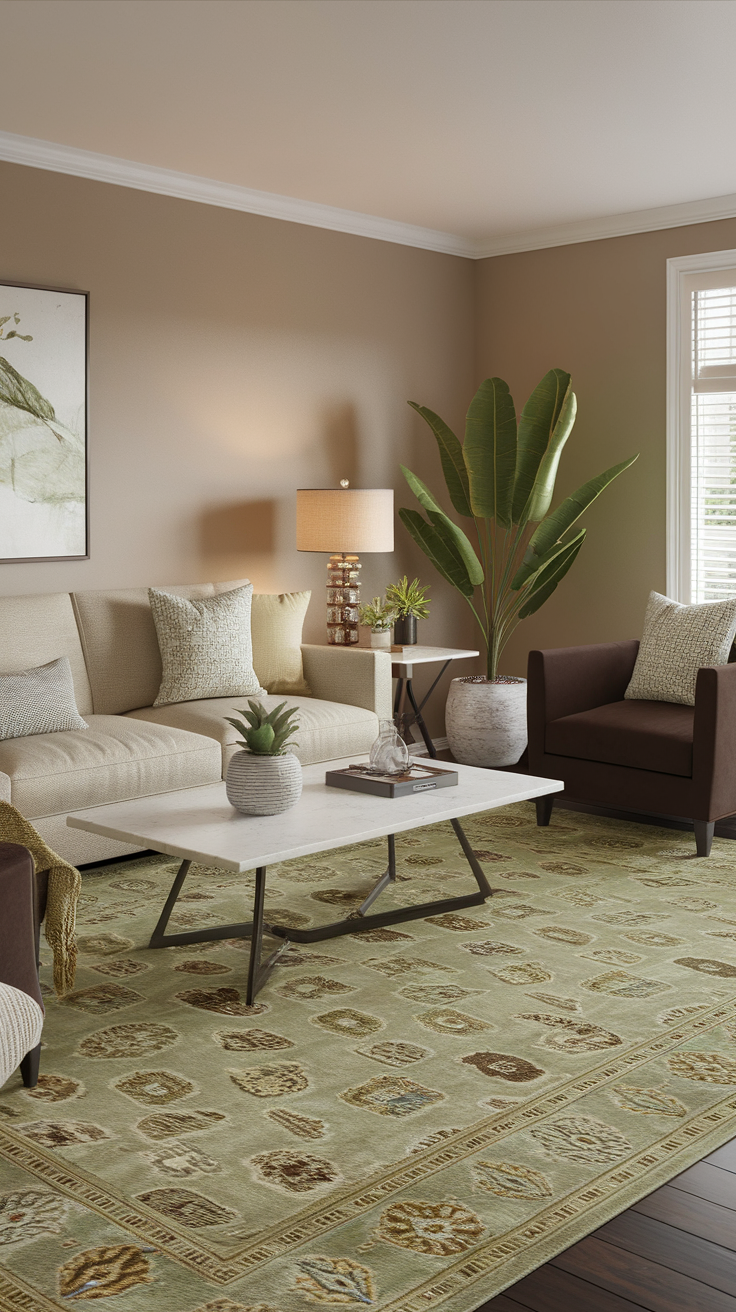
(410, 604)
(501, 479)
(264, 777)
(378, 616)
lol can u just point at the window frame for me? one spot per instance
(683, 274)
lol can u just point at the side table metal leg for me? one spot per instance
(420, 720)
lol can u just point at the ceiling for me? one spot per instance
(492, 121)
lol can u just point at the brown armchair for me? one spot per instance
(653, 757)
(22, 898)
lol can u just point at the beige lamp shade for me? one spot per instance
(352, 520)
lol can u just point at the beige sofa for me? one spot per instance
(133, 749)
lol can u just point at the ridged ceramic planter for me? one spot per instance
(486, 721)
(263, 785)
(381, 638)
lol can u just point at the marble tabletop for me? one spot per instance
(419, 655)
(200, 824)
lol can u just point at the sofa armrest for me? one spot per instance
(359, 677)
(714, 736)
(566, 680)
(18, 936)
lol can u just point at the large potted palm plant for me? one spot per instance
(501, 479)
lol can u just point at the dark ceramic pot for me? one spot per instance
(405, 631)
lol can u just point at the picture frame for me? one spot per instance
(44, 421)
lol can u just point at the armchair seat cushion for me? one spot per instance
(644, 735)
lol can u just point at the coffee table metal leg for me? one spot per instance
(258, 972)
(360, 922)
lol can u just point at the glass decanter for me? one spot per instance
(389, 753)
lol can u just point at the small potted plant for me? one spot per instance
(264, 777)
(378, 616)
(410, 604)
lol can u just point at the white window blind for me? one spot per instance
(713, 444)
(701, 426)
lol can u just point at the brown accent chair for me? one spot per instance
(23, 903)
(657, 758)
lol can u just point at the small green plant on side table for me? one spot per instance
(378, 616)
(410, 604)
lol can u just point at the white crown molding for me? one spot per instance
(79, 163)
(612, 225)
(35, 153)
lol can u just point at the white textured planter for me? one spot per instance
(486, 721)
(381, 638)
(263, 785)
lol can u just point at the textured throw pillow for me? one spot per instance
(276, 627)
(40, 700)
(205, 646)
(677, 640)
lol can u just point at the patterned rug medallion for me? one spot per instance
(407, 1119)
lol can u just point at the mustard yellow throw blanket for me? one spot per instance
(65, 883)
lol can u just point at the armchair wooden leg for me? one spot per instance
(704, 836)
(544, 809)
(29, 1067)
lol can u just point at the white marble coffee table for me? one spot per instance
(198, 824)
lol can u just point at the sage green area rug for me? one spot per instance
(407, 1119)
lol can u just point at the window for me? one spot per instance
(701, 427)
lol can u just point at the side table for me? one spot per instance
(403, 660)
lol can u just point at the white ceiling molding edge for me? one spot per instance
(79, 163)
(612, 225)
(49, 155)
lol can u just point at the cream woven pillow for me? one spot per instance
(205, 646)
(677, 640)
(277, 620)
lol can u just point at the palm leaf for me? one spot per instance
(438, 516)
(451, 455)
(528, 569)
(547, 579)
(439, 549)
(490, 451)
(536, 426)
(569, 510)
(540, 497)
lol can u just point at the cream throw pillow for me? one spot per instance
(677, 641)
(277, 620)
(40, 700)
(205, 646)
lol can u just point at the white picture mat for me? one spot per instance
(43, 510)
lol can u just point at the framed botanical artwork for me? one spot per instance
(43, 423)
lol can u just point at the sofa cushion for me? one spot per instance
(113, 760)
(648, 735)
(205, 646)
(327, 730)
(39, 628)
(120, 645)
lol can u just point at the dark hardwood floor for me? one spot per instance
(675, 1251)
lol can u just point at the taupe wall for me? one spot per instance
(598, 310)
(233, 359)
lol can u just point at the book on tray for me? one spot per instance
(415, 779)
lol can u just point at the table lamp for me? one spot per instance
(343, 522)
